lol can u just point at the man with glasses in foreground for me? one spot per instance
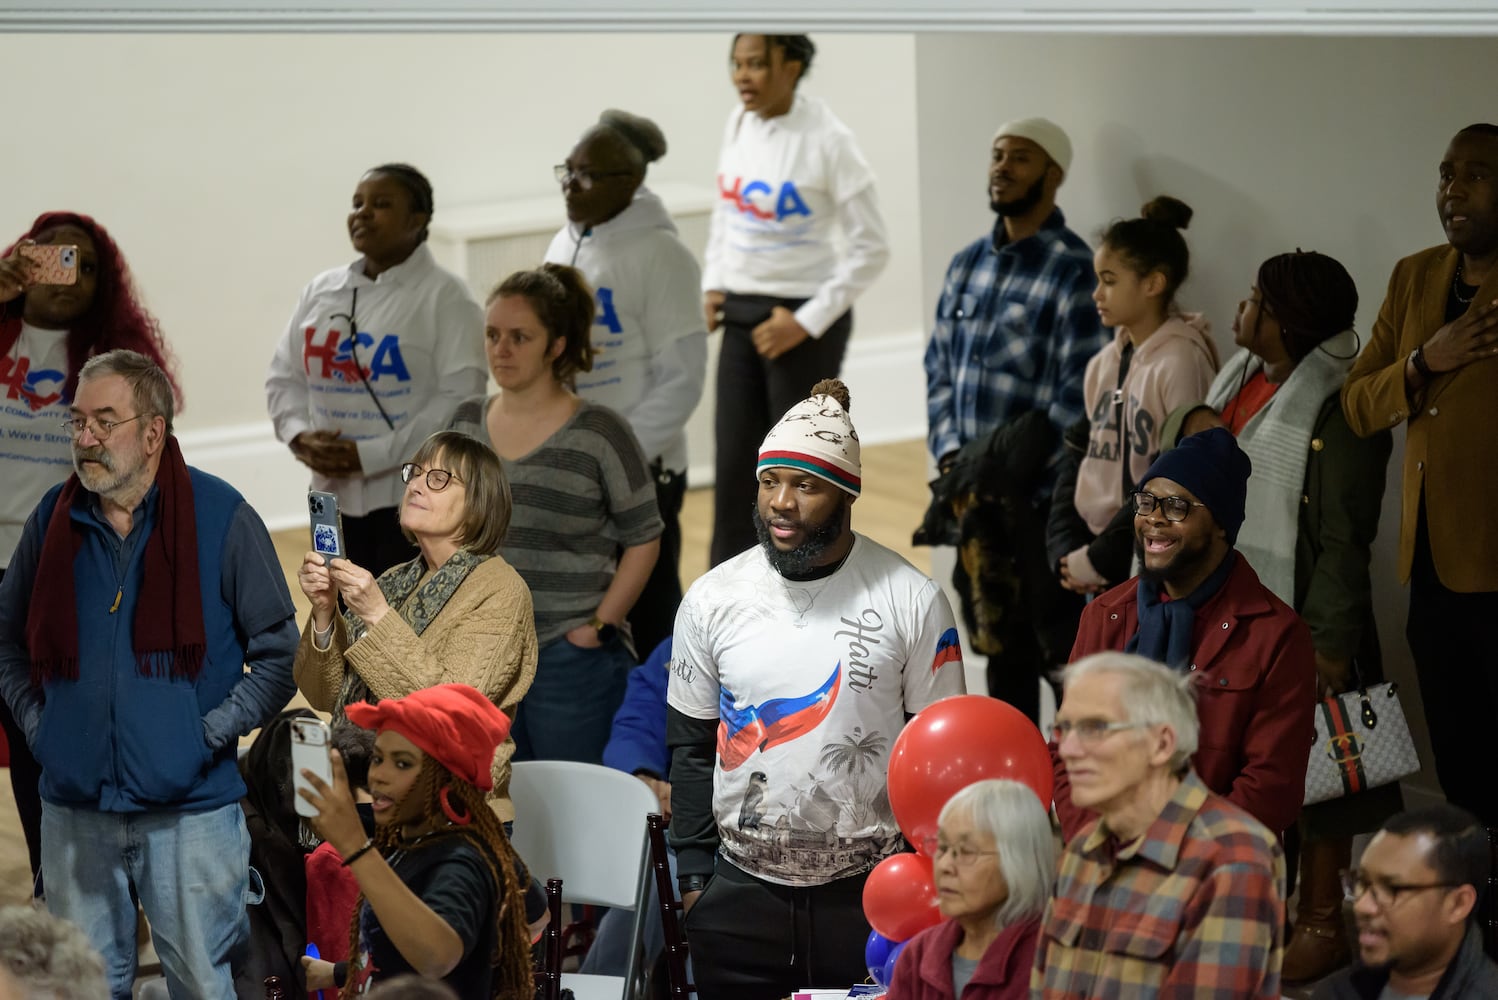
(140, 591)
(1173, 891)
(1414, 893)
(1198, 607)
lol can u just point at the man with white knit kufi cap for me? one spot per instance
(817, 436)
(1015, 328)
(817, 637)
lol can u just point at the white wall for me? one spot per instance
(223, 164)
(1320, 143)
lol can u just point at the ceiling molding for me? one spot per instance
(1329, 17)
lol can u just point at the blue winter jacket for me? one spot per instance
(637, 741)
(120, 741)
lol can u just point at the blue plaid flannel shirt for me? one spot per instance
(1015, 328)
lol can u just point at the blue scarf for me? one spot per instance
(1165, 627)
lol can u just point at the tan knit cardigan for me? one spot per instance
(484, 637)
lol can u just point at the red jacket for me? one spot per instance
(924, 969)
(1256, 702)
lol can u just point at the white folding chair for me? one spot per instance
(585, 824)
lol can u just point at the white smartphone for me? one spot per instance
(327, 525)
(310, 747)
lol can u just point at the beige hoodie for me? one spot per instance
(1174, 366)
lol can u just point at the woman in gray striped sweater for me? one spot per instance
(584, 529)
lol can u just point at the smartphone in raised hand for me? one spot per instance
(327, 525)
(51, 263)
(311, 751)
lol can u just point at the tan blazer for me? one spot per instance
(1451, 447)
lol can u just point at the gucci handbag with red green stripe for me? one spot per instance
(1362, 742)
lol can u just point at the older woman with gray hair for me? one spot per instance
(994, 860)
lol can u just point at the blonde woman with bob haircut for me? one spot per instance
(994, 859)
(456, 614)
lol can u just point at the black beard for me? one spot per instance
(1145, 573)
(1022, 205)
(1179, 568)
(806, 557)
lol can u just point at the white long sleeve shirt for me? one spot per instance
(787, 186)
(420, 344)
(35, 452)
(648, 330)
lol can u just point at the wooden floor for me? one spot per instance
(891, 506)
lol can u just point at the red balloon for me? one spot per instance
(899, 897)
(953, 743)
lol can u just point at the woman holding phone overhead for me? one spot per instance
(377, 356)
(456, 613)
(791, 179)
(47, 332)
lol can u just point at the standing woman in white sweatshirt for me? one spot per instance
(376, 358)
(651, 346)
(791, 178)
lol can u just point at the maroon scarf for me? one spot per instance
(10, 332)
(168, 633)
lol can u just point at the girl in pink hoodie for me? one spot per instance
(1159, 359)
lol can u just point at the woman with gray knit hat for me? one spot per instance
(1313, 507)
(649, 329)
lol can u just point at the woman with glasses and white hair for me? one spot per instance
(994, 859)
(458, 613)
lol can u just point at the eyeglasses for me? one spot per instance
(101, 428)
(1174, 508)
(1385, 894)
(437, 479)
(584, 176)
(1089, 732)
(963, 855)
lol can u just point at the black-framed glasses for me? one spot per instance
(1174, 508)
(1089, 731)
(964, 855)
(101, 428)
(1385, 894)
(437, 479)
(584, 176)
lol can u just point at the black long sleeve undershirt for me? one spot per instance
(694, 830)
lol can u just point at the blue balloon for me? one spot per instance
(889, 963)
(876, 953)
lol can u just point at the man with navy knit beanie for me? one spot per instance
(794, 666)
(1198, 606)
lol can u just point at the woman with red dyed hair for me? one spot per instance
(47, 332)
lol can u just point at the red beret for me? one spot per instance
(452, 723)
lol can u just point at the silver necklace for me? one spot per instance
(1456, 286)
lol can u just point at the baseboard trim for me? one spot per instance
(884, 375)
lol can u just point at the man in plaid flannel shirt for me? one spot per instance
(1173, 892)
(1016, 324)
